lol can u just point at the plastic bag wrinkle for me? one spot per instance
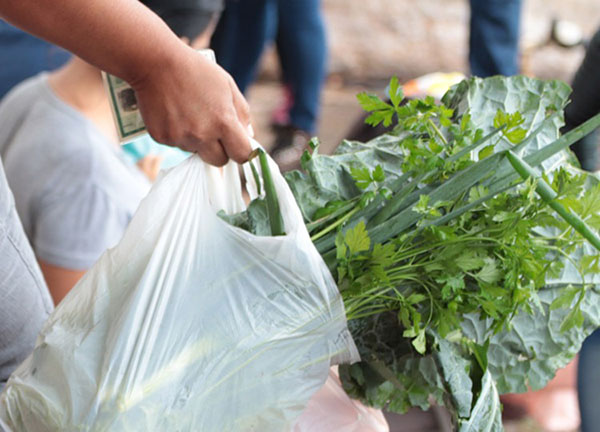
(188, 323)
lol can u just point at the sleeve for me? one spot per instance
(72, 231)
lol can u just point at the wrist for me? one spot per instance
(160, 58)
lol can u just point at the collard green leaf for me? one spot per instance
(474, 297)
(254, 219)
(486, 415)
(530, 352)
(455, 369)
(392, 375)
(533, 99)
(329, 178)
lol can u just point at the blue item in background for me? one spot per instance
(297, 27)
(23, 56)
(494, 37)
(145, 145)
(588, 377)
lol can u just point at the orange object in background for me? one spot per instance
(435, 84)
(555, 406)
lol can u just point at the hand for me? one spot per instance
(150, 166)
(194, 104)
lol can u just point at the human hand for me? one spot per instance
(150, 165)
(192, 103)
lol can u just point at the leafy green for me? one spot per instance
(455, 369)
(459, 282)
(487, 413)
(382, 112)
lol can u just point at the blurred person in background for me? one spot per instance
(585, 103)
(245, 29)
(23, 55)
(494, 37)
(588, 383)
(74, 190)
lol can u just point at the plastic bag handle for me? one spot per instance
(224, 191)
(293, 222)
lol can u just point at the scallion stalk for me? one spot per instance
(549, 195)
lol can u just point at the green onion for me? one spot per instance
(274, 213)
(549, 195)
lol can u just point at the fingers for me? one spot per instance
(155, 164)
(236, 141)
(150, 165)
(209, 116)
(240, 104)
(211, 152)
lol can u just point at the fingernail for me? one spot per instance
(250, 130)
(253, 154)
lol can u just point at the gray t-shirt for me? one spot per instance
(74, 191)
(24, 299)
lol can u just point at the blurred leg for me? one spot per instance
(588, 383)
(585, 103)
(244, 29)
(494, 37)
(301, 43)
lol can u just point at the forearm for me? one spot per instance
(124, 38)
(185, 100)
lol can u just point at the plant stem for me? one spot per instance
(334, 225)
(273, 210)
(437, 131)
(549, 195)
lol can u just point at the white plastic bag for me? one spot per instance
(188, 324)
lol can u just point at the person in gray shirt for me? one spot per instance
(74, 193)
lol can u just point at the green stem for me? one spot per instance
(256, 178)
(273, 210)
(336, 224)
(323, 221)
(437, 131)
(549, 195)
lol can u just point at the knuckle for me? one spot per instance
(239, 150)
(225, 121)
(245, 108)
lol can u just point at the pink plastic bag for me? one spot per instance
(331, 409)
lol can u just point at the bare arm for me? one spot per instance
(185, 99)
(60, 280)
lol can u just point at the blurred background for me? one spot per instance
(369, 41)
